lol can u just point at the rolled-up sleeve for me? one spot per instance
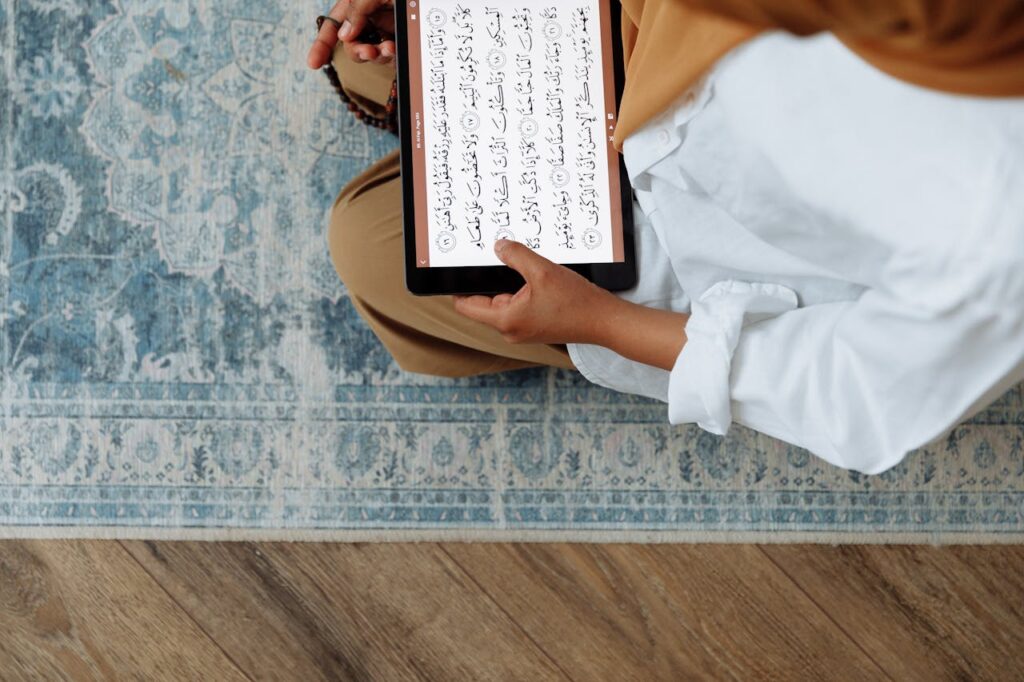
(858, 383)
(699, 390)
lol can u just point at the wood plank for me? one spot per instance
(931, 613)
(79, 610)
(664, 612)
(357, 612)
(87, 611)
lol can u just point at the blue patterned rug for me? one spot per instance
(179, 359)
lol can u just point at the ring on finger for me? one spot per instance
(320, 20)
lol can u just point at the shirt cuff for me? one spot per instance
(699, 389)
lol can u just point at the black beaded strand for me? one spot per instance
(387, 122)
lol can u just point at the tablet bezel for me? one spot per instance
(492, 280)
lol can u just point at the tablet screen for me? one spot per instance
(513, 105)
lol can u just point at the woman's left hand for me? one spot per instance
(556, 305)
(353, 17)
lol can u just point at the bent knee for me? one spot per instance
(365, 239)
(342, 242)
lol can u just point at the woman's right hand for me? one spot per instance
(354, 16)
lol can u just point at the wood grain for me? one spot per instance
(87, 611)
(351, 612)
(140, 610)
(665, 612)
(930, 613)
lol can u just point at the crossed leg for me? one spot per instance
(424, 335)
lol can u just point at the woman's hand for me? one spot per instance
(354, 16)
(556, 305)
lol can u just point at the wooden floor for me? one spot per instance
(146, 610)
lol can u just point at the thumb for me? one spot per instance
(520, 258)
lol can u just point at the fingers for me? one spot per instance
(322, 49)
(363, 52)
(522, 259)
(359, 12)
(388, 50)
(354, 16)
(327, 38)
(481, 308)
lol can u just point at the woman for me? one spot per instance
(828, 254)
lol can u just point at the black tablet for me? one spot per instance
(507, 108)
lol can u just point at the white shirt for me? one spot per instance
(851, 248)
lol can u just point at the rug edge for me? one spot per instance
(516, 536)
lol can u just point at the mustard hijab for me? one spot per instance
(972, 47)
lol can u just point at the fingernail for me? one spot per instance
(499, 246)
(345, 29)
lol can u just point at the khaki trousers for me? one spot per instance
(424, 335)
